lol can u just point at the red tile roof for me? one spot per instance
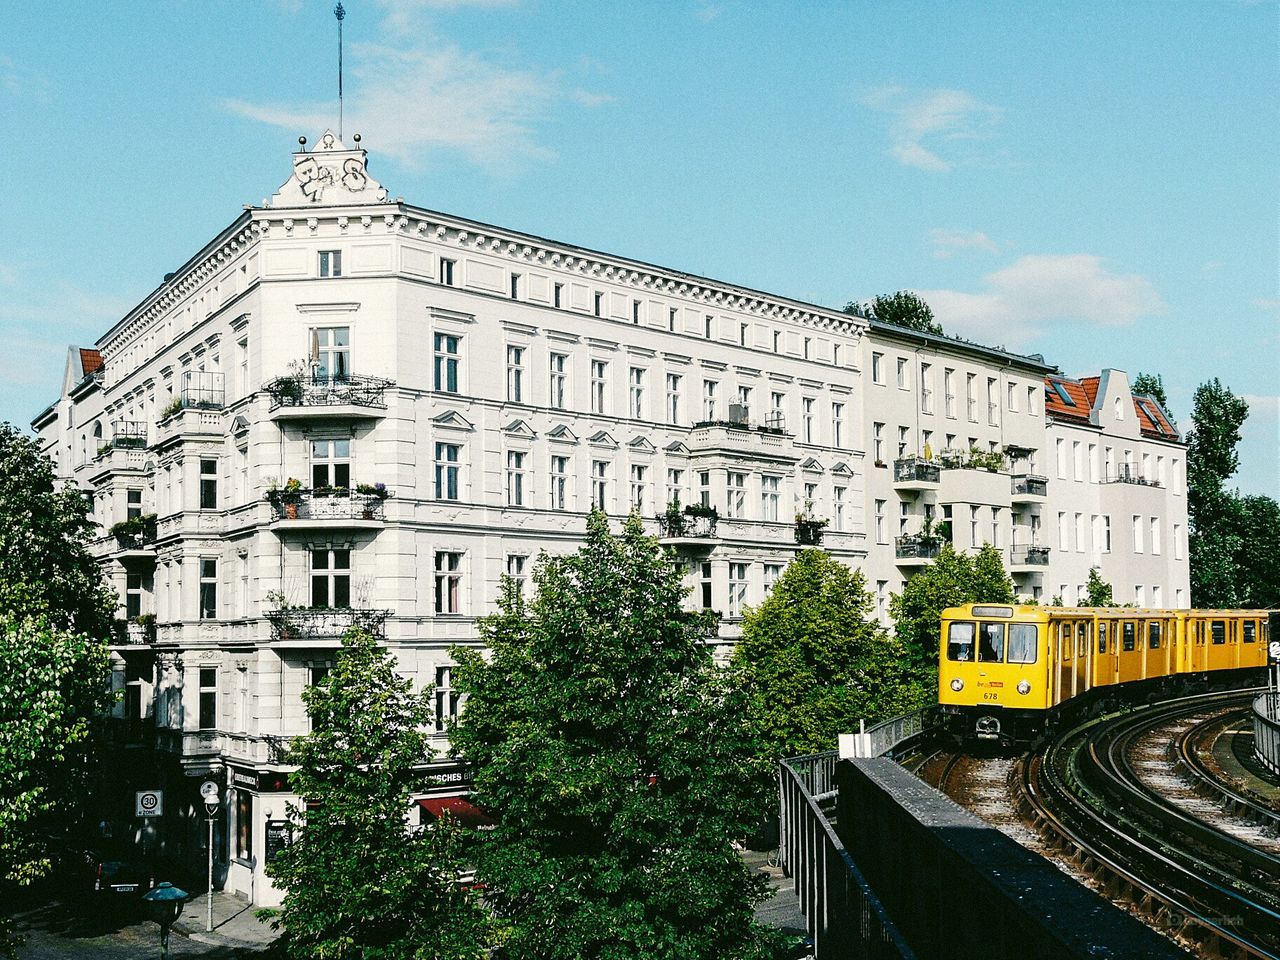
(1152, 419)
(90, 361)
(1083, 393)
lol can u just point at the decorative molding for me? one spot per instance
(350, 307)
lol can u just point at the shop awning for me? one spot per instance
(461, 809)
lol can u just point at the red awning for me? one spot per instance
(461, 809)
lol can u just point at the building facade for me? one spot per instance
(347, 410)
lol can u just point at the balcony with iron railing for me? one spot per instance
(136, 536)
(196, 410)
(125, 435)
(1024, 559)
(294, 506)
(693, 525)
(916, 550)
(302, 396)
(1127, 473)
(134, 631)
(323, 624)
(916, 473)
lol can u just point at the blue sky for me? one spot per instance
(1095, 181)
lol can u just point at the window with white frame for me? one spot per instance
(1081, 544)
(880, 521)
(1177, 541)
(639, 486)
(949, 392)
(877, 368)
(559, 485)
(837, 424)
(448, 467)
(708, 324)
(1154, 531)
(331, 353)
(838, 499)
(772, 574)
(673, 397)
(330, 463)
(926, 388)
(743, 333)
(330, 263)
(777, 405)
(737, 588)
(597, 304)
(877, 441)
(208, 484)
(1106, 533)
(807, 344)
(599, 385)
(744, 399)
(770, 497)
(447, 271)
(636, 383)
(515, 477)
(556, 395)
(447, 699)
(1137, 534)
(330, 577)
(517, 564)
(1061, 449)
(208, 719)
(904, 441)
(704, 487)
(705, 585)
(810, 496)
(1157, 597)
(806, 419)
(974, 539)
(993, 401)
(448, 569)
(1093, 463)
(971, 396)
(1063, 532)
(447, 348)
(515, 286)
(903, 378)
(208, 588)
(132, 595)
(1139, 595)
(675, 485)
(600, 484)
(515, 374)
(904, 516)
(671, 319)
(736, 491)
(1012, 393)
(709, 389)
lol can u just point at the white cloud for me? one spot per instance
(936, 116)
(1019, 301)
(946, 243)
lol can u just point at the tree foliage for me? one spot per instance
(1098, 592)
(817, 662)
(902, 309)
(621, 759)
(1151, 385)
(949, 581)
(362, 884)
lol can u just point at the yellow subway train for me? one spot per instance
(1006, 672)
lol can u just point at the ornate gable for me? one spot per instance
(329, 174)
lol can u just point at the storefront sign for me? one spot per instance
(243, 778)
(279, 837)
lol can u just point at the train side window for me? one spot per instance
(990, 642)
(1250, 631)
(1200, 631)
(960, 642)
(1102, 638)
(1218, 629)
(1024, 641)
(1153, 636)
(1127, 635)
(1082, 640)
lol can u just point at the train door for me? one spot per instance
(1104, 662)
(1156, 649)
(1080, 671)
(1063, 660)
(1250, 648)
(1129, 655)
(1219, 656)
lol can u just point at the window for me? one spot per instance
(673, 397)
(244, 824)
(1249, 632)
(448, 582)
(1013, 408)
(515, 286)
(559, 483)
(515, 478)
(446, 367)
(838, 494)
(709, 399)
(597, 304)
(1024, 641)
(1079, 533)
(515, 374)
(208, 698)
(995, 526)
(973, 526)
(1106, 533)
(882, 598)
(704, 487)
(1137, 534)
(636, 378)
(960, 642)
(330, 577)
(446, 271)
(806, 419)
(777, 405)
(949, 391)
(743, 330)
(737, 588)
(671, 319)
(447, 467)
(600, 484)
(993, 401)
(736, 487)
(777, 341)
(1177, 541)
(556, 383)
(810, 495)
(837, 424)
(1119, 408)
(926, 388)
(133, 504)
(132, 595)
(557, 295)
(1156, 598)
(769, 497)
(208, 588)
(1063, 535)
(808, 341)
(331, 353)
(675, 485)
(1093, 463)
(902, 373)
(208, 484)
(1218, 631)
(446, 699)
(877, 368)
(516, 563)
(835, 354)
(971, 400)
(773, 573)
(904, 515)
(635, 311)
(330, 263)
(705, 585)
(330, 463)
(639, 485)
(1077, 460)
(880, 535)
(877, 441)
(1061, 448)
(990, 642)
(1154, 531)
(744, 401)
(708, 323)
(904, 440)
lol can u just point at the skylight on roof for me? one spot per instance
(1062, 393)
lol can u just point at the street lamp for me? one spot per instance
(165, 903)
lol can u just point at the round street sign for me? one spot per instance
(209, 790)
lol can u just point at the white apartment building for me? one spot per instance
(346, 410)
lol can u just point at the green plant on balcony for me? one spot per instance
(286, 498)
(809, 529)
(992, 460)
(704, 510)
(104, 450)
(135, 530)
(376, 490)
(328, 491)
(671, 520)
(172, 407)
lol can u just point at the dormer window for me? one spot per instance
(330, 263)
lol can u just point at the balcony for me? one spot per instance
(809, 531)
(916, 473)
(295, 507)
(306, 625)
(1028, 488)
(125, 435)
(1126, 473)
(916, 551)
(134, 631)
(1028, 559)
(295, 397)
(135, 535)
(694, 525)
(768, 441)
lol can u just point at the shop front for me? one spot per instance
(258, 830)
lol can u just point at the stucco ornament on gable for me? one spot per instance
(329, 174)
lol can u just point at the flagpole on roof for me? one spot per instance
(340, 13)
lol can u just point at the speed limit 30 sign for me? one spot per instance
(148, 803)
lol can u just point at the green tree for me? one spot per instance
(816, 660)
(44, 566)
(1257, 560)
(1151, 385)
(1098, 591)
(361, 883)
(622, 761)
(950, 580)
(902, 309)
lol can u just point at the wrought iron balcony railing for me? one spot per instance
(332, 504)
(917, 547)
(1125, 473)
(135, 631)
(307, 391)
(324, 623)
(696, 526)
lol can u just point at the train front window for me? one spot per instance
(1024, 640)
(960, 642)
(990, 642)
(1218, 628)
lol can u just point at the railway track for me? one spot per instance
(1209, 782)
(1207, 885)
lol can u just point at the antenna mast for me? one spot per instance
(340, 13)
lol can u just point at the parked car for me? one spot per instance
(119, 876)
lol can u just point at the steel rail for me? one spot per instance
(1202, 778)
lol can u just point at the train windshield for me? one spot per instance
(1023, 642)
(960, 642)
(990, 642)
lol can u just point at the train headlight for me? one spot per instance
(1023, 687)
(957, 684)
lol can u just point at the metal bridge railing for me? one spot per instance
(1266, 730)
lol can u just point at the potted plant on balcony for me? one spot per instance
(704, 512)
(671, 521)
(173, 406)
(809, 529)
(286, 498)
(372, 492)
(147, 621)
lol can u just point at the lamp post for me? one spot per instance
(165, 903)
(209, 793)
